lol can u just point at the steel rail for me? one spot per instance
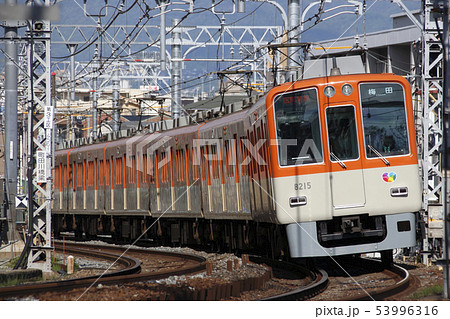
(200, 260)
(395, 271)
(319, 280)
(130, 273)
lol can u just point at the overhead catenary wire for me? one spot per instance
(316, 17)
(107, 62)
(103, 30)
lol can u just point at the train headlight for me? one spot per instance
(329, 91)
(347, 89)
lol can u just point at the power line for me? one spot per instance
(107, 62)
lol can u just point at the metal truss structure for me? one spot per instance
(430, 138)
(140, 69)
(432, 131)
(40, 146)
(432, 77)
(246, 40)
(147, 36)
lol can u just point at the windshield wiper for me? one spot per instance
(379, 155)
(335, 158)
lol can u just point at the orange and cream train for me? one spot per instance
(319, 167)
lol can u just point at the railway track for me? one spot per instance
(404, 283)
(367, 279)
(131, 269)
(135, 270)
(143, 265)
(317, 280)
(183, 263)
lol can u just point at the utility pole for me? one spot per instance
(71, 95)
(116, 98)
(72, 48)
(94, 95)
(162, 32)
(176, 69)
(11, 120)
(293, 33)
(55, 127)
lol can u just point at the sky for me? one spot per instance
(73, 12)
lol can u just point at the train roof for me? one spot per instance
(215, 102)
(200, 112)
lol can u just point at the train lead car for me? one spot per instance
(347, 181)
(318, 167)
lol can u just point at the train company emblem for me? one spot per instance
(389, 177)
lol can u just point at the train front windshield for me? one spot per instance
(384, 119)
(298, 128)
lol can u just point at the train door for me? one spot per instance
(346, 175)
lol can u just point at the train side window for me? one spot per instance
(141, 166)
(111, 172)
(65, 176)
(236, 158)
(177, 165)
(186, 165)
(56, 176)
(171, 166)
(90, 175)
(164, 168)
(297, 127)
(260, 149)
(72, 175)
(80, 175)
(85, 175)
(101, 173)
(195, 164)
(155, 169)
(244, 162)
(62, 173)
(107, 173)
(384, 119)
(147, 170)
(207, 157)
(138, 171)
(229, 158)
(124, 169)
(132, 170)
(215, 162)
(253, 164)
(221, 162)
(203, 161)
(119, 171)
(265, 149)
(342, 136)
(267, 157)
(180, 165)
(96, 173)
